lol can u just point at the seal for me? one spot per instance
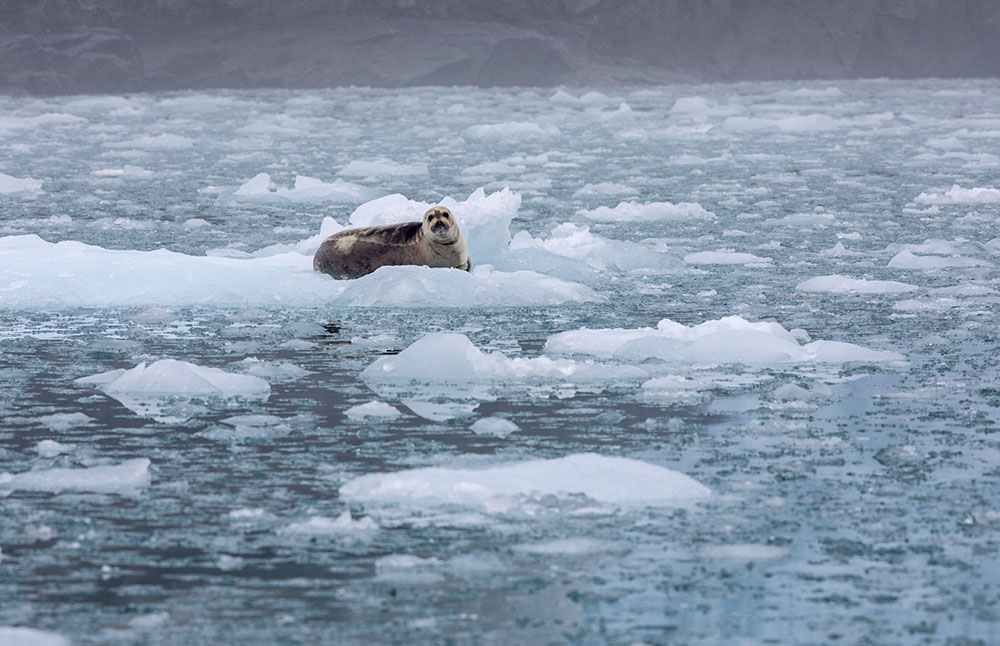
(433, 242)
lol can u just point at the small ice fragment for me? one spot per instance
(321, 525)
(496, 426)
(373, 409)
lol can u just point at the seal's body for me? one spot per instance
(434, 242)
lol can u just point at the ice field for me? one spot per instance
(725, 370)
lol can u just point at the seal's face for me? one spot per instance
(440, 226)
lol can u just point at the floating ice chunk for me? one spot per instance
(273, 371)
(577, 242)
(372, 410)
(196, 223)
(165, 141)
(566, 547)
(323, 526)
(119, 478)
(510, 131)
(838, 284)
(73, 274)
(149, 621)
(126, 171)
(450, 357)
(21, 636)
(248, 428)
(791, 123)
(603, 189)
(406, 286)
(724, 257)
(675, 387)
(744, 552)
(723, 341)
(615, 480)
(16, 186)
(650, 212)
(496, 426)
(154, 390)
(382, 168)
(65, 421)
(908, 260)
(51, 448)
(260, 188)
(404, 562)
(958, 195)
(173, 377)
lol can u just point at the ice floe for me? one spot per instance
(744, 552)
(382, 168)
(324, 526)
(496, 488)
(451, 357)
(838, 284)
(40, 274)
(22, 636)
(65, 421)
(372, 410)
(579, 243)
(958, 195)
(158, 390)
(728, 340)
(725, 257)
(649, 212)
(260, 188)
(495, 426)
(16, 186)
(125, 477)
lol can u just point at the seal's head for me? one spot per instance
(440, 226)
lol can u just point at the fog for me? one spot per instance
(71, 46)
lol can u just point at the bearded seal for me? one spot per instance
(433, 242)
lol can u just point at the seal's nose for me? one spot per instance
(439, 226)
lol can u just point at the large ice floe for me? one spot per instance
(126, 477)
(504, 487)
(36, 274)
(163, 390)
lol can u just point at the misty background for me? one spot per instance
(72, 46)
